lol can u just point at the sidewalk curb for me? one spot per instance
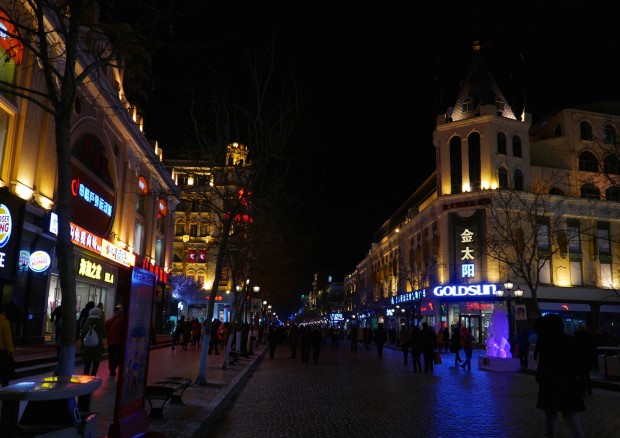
(219, 404)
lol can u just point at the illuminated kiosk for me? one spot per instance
(498, 357)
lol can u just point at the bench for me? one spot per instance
(167, 390)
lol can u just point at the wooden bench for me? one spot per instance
(167, 390)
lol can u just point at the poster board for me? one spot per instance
(129, 409)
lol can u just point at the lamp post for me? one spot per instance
(512, 323)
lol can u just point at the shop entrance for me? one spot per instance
(472, 322)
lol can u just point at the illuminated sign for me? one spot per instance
(39, 261)
(162, 207)
(143, 186)
(336, 317)
(94, 243)
(11, 224)
(466, 290)
(92, 202)
(94, 271)
(24, 260)
(409, 296)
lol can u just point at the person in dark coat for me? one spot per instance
(114, 327)
(83, 317)
(93, 355)
(428, 340)
(293, 340)
(455, 344)
(316, 339)
(354, 338)
(585, 355)
(404, 342)
(416, 349)
(213, 341)
(274, 340)
(558, 388)
(380, 339)
(306, 344)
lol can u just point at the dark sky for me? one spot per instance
(376, 76)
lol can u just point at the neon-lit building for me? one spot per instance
(441, 258)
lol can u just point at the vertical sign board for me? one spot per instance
(129, 410)
(11, 223)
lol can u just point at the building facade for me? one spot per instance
(510, 207)
(121, 197)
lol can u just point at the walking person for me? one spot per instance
(213, 341)
(176, 334)
(367, 338)
(56, 319)
(7, 348)
(316, 339)
(468, 348)
(354, 338)
(114, 329)
(380, 338)
(558, 387)
(440, 340)
(93, 355)
(274, 340)
(429, 344)
(446, 338)
(585, 356)
(416, 349)
(84, 313)
(455, 344)
(404, 342)
(293, 340)
(306, 344)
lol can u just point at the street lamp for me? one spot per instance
(512, 327)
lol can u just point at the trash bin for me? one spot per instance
(251, 342)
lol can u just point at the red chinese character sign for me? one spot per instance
(129, 410)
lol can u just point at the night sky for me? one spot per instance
(373, 78)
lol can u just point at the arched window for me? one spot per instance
(585, 130)
(590, 191)
(502, 177)
(611, 164)
(556, 191)
(558, 130)
(456, 173)
(516, 146)
(501, 143)
(179, 227)
(610, 134)
(588, 162)
(475, 167)
(612, 193)
(518, 180)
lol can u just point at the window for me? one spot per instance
(574, 237)
(575, 273)
(179, 228)
(610, 134)
(556, 191)
(501, 143)
(140, 204)
(456, 174)
(474, 161)
(611, 164)
(159, 252)
(558, 130)
(588, 162)
(502, 178)
(543, 236)
(585, 130)
(138, 238)
(590, 191)
(193, 230)
(603, 238)
(518, 180)
(613, 194)
(544, 273)
(499, 106)
(516, 146)
(468, 105)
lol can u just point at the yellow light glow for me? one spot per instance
(466, 187)
(23, 191)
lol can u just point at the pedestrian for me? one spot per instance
(213, 341)
(585, 356)
(222, 334)
(186, 334)
(93, 355)
(316, 339)
(177, 333)
(380, 338)
(556, 374)
(56, 319)
(114, 328)
(306, 344)
(416, 349)
(523, 344)
(468, 348)
(7, 348)
(367, 338)
(440, 340)
(354, 338)
(455, 344)
(293, 340)
(274, 340)
(100, 307)
(404, 342)
(428, 340)
(446, 338)
(195, 333)
(83, 317)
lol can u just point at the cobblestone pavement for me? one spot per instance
(346, 396)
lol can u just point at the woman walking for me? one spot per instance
(92, 355)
